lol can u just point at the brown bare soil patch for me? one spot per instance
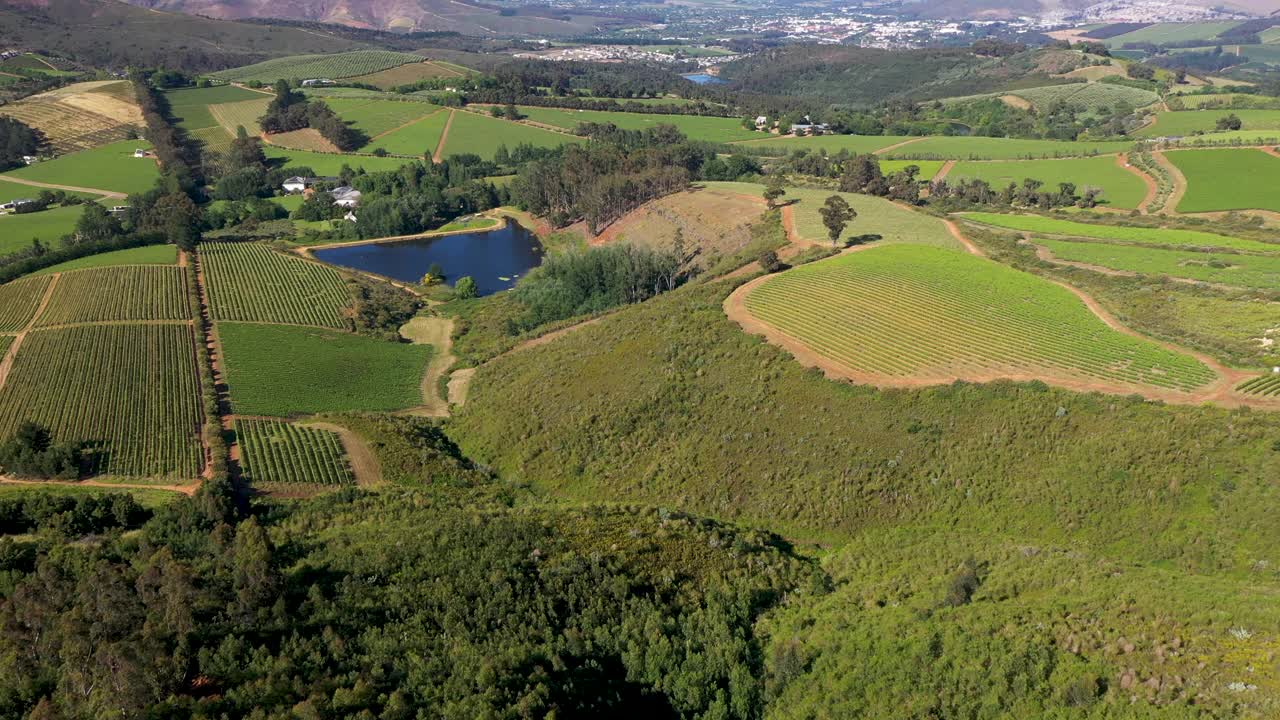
(438, 155)
(712, 222)
(304, 139)
(437, 332)
(1016, 102)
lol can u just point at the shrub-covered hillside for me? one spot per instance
(1007, 550)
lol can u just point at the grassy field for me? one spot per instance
(481, 134)
(374, 117)
(1189, 122)
(12, 191)
(254, 283)
(695, 127)
(19, 300)
(1213, 179)
(408, 74)
(1226, 100)
(191, 105)
(244, 113)
(48, 226)
(130, 391)
(1151, 236)
(1251, 271)
(282, 455)
(118, 294)
(1120, 187)
(304, 67)
(956, 315)
(857, 144)
(329, 163)
(288, 371)
(110, 167)
(985, 148)
(876, 216)
(213, 139)
(419, 139)
(1161, 33)
(146, 255)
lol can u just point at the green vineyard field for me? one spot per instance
(118, 294)
(1214, 179)
(5, 342)
(1254, 271)
(19, 300)
(1265, 385)
(1120, 188)
(128, 391)
(303, 67)
(926, 313)
(282, 454)
(1145, 236)
(253, 283)
(287, 371)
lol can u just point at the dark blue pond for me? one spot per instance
(703, 79)
(495, 259)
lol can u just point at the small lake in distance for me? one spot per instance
(495, 259)
(703, 79)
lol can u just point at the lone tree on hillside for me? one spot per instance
(1230, 122)
(773, 190)
(836, 215)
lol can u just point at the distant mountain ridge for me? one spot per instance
(464, 16)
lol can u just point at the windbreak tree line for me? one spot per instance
(16, 140)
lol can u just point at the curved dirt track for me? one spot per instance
(438, 333)
(1179, 182)
(1220, 391)
(364, 463)
(1122, 160)
(68, 188)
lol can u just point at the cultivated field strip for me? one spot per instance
(253, 283)
(1264, 386)
(1173, 237)
(19, 301)
(5, 342)
(920, 312)
(129, 391)
(337, 65)
(126, 293)
(281, 454)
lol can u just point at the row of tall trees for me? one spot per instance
(16, 140)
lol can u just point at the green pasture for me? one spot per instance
(419, 139)
(191, 105)
(374, 117)
(1040, 224)
(1229, 179)
(17, 231)
(1252, 271)
(695, 127)
(13, 191)
(109, 167)
(331, 163)
(145, 255)
(287, 371)
(147, 498)
(1161, 33)
(928, 168)
(1120, 187)
(1190, 122)
(986, 148)
(832, 144)
(480, 134)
